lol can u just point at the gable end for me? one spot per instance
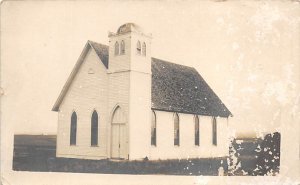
(100, 50)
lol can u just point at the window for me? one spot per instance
(94, 129)
(176, 130)
(144, 49)
(197, 131)
(73, 129)
(138, 47)
(122, 47)
(214, 128)
(116, 48)
(153, 129)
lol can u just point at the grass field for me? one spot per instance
(38, 153)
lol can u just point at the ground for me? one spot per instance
(37, 153)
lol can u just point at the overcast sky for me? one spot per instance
(247, 51)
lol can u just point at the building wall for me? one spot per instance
(86, 93)
(139, 62)
(128, 85)
(165, 148)
(118, 96)
(140, 115)
(119, 80)
(119, 62)
(139, 98)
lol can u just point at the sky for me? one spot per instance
(246, 51)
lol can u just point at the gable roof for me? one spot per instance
(175, 87)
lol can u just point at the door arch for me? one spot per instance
(118, 134)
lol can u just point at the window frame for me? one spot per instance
(138, 48)
(196, 131)
(214, 132)
(144, 49)
(176, 130)
(95, 129)
(117, 48)
(153, 129)
(73, 129)
(122, 48)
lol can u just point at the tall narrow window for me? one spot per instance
(138, 47)
(176, 130)
(153, 129)
(214, 128)
(94, 129)
(122, 47)
(116, 48)
(144, 49)
(197, 131)
(73, 130)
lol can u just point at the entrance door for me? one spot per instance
(118, 135)
(118, 142)
(115, 141)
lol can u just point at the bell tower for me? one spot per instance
(130, 85)
(129, 49)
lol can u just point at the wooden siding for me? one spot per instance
(165, 148)
(88, 92)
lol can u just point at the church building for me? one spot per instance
(121, 103)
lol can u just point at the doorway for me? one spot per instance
(118, 135)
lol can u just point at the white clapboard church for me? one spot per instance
(119, 102)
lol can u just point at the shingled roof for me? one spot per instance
(102, 52)
(175, 88)
(180, 88)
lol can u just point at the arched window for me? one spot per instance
(94, 129)
(116, 48)
(176, 130)
(73, 130)
(153, 129)
(122, 47)
(144, 49)
(197, 131)
(138, 47)
(214, 129)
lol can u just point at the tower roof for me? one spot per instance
(129, 27)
